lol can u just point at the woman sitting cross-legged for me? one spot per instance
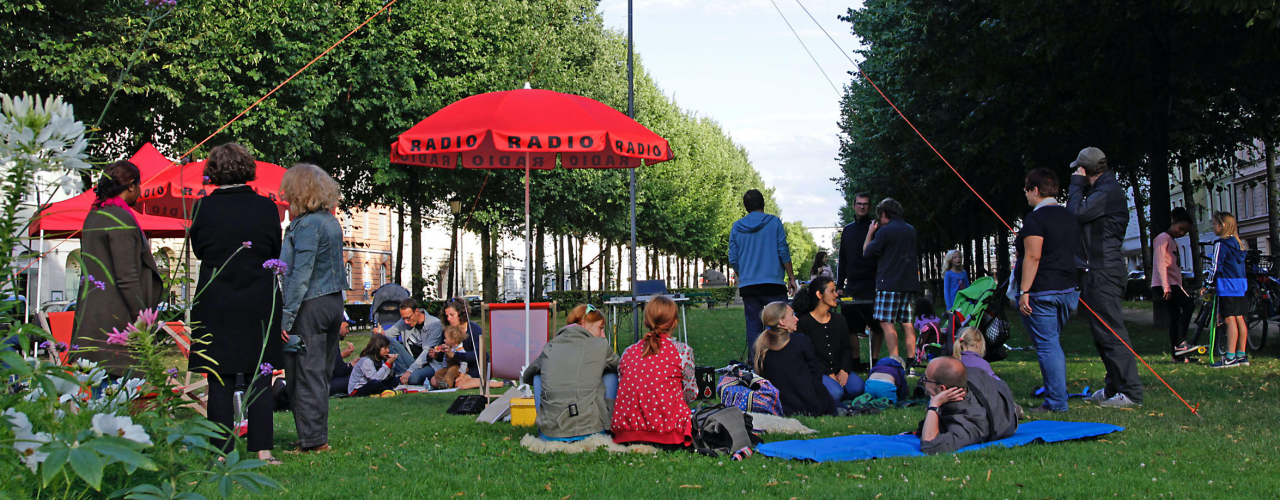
(787, 360)
(656, 384)
(575, 379)
(372, 373)
(827, 331)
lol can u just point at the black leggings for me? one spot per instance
(1179, 308)
(258, 405)
(374, 387)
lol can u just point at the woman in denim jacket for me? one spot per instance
(313, 282)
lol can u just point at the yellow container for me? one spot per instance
(523, 413)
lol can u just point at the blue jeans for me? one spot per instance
(751, 306)
(852, 388)
(421, 375)
(1044, 325)
(610, 388)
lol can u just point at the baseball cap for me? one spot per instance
(1090, 158)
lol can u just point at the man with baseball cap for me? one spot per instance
(1101, 206)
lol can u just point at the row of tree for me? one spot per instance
(172, 75)
(1002, 86)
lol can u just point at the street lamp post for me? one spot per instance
(455, 208)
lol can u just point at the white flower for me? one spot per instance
(28, 445)
(93, 377)
(111, 425)
(18, 420)
(85, 365)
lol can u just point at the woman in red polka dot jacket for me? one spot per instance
(656, 384)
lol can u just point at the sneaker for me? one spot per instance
(1119, 401)
(1098, 396)
(1225, 363)
(1242, 360)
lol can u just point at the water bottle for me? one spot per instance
(742, 454)
(239, 410)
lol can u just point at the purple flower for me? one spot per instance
(206, 179)
(118, 337)
(277, 266)
(265, 369)
(46, 345)
(74, 348)
(62, 346)
(148, 317)
(173, 372)
(97, 284)
(247, 244)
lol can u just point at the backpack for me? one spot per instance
(722, 430)
(751, 395)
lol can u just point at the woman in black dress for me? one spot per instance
(787, 360)
(234, 231)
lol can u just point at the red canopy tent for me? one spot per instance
(173, 192)
(66, 218)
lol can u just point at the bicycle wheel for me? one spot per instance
(1256, 321)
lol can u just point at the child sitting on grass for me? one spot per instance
(452, 352)
(371, 374)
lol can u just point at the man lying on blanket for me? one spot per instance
(965, 408)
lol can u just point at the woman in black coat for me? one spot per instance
(237, 313)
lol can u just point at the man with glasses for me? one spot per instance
(965, 407)
(420, 331)
(856, 279)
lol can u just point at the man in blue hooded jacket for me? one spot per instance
(759, 253)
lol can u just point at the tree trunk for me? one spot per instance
(1158, 155)
(415, 248)
(1188, 195)
(1159, 318)
(1002, 253)
(451, 290)
(574, 283)
(584, 281)
(539, 261)
(559, 251)
(489, 266)
(399, 244)
(1273, 229)
(621, 262)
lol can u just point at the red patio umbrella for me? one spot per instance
(173, 192)
(526, 129)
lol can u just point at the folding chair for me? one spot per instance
(61, 325)
(177, 330)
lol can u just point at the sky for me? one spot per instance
(737, 62)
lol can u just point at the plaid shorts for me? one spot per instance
(894, 307)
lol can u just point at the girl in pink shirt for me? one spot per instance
(1166, 282)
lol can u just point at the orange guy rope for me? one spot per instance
(1194, 410)
(246, 110)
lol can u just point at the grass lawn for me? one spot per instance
(407, 447)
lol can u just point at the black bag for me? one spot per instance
(706, 378)
(722, 430)
(995, 327)
(468, 405)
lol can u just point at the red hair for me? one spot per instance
(660, 318)
(579, 315)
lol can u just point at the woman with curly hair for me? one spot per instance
(236, 315)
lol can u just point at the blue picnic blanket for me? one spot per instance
(865, 446)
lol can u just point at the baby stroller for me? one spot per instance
(981, 306)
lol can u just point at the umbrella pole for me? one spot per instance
(528, 264)
(631, 112)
